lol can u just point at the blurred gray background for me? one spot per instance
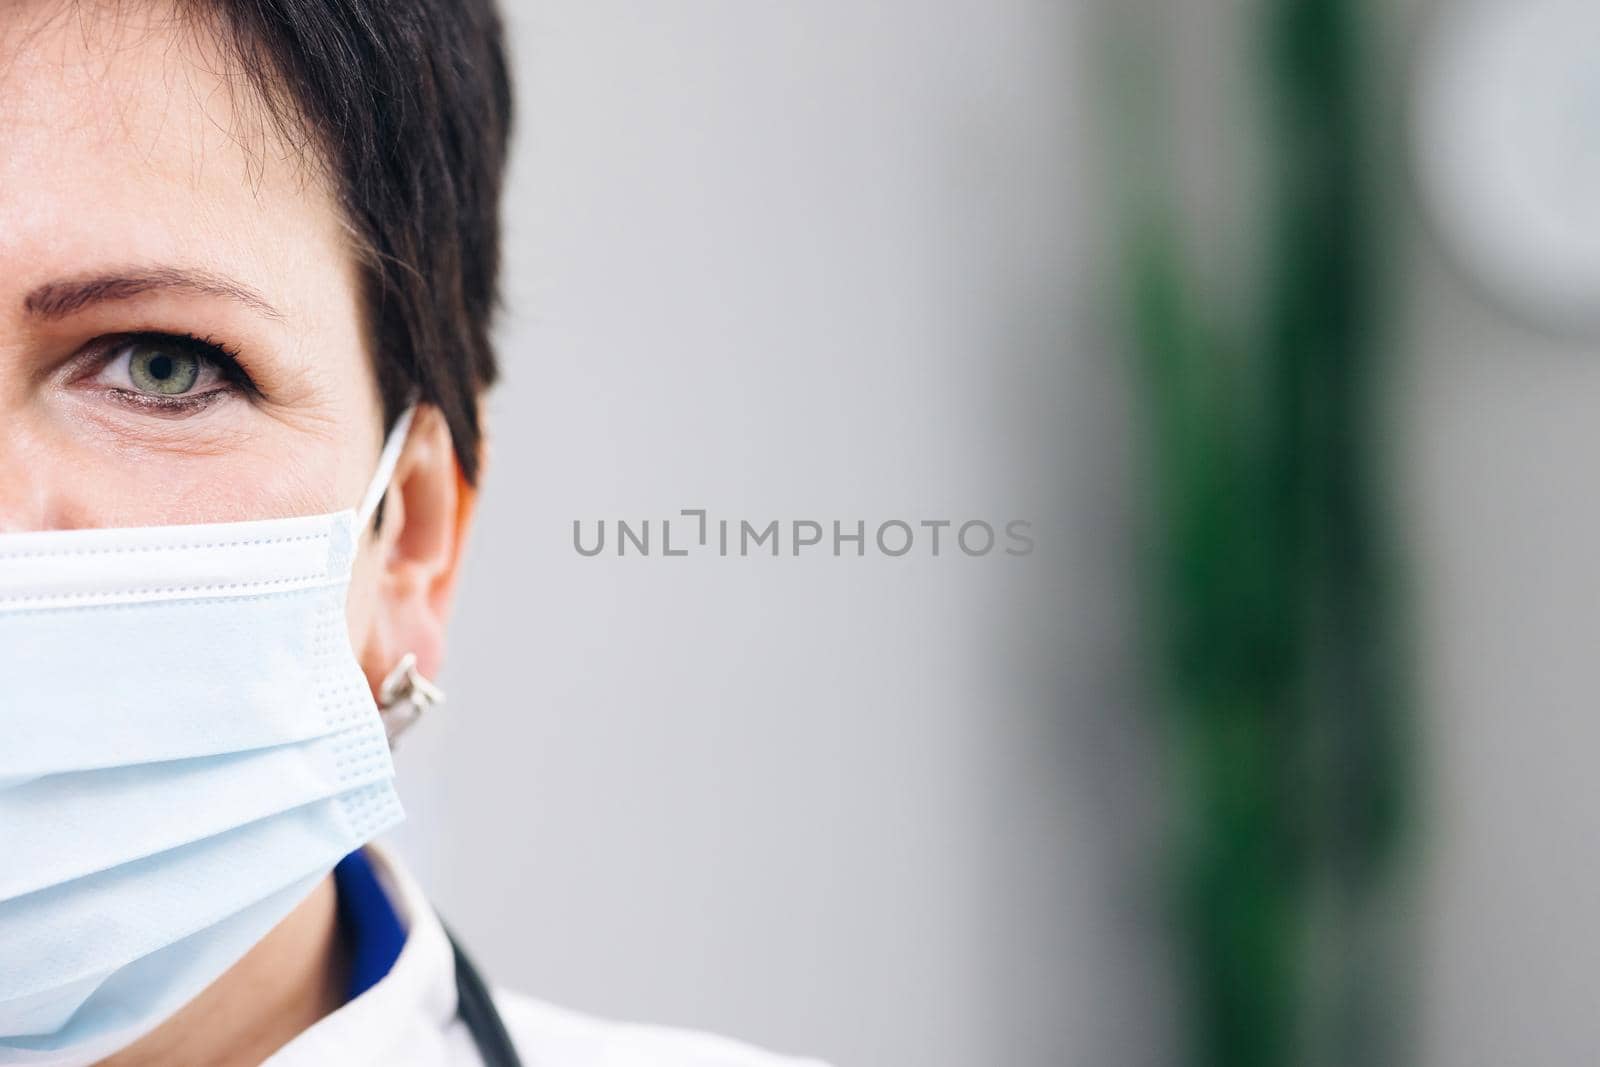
(838, 260)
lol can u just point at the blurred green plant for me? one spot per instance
(1281, 686)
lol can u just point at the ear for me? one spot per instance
(416, 551)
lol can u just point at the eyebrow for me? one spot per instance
(59, 299)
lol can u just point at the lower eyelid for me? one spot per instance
(186, 404)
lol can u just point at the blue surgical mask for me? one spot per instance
(187, 747)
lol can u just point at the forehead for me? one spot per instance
(128, 134)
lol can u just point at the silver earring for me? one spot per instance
(404, 695)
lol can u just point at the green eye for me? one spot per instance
(164, 371)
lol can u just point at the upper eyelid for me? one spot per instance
(206, 346)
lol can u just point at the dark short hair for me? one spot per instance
(407, 104)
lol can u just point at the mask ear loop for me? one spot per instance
(387, 459)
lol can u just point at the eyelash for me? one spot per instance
(219, 353)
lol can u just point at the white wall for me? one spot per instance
(802, 260)
(1498, 425)
(1501, 427)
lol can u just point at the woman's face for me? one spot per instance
(182, 339)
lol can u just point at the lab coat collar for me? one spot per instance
(411, 1008)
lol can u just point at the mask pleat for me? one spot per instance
(121, 914)
(103, 1012)
(174, 680)
(76, 824)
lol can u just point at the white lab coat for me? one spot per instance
(409, 1018)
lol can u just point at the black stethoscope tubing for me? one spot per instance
(475, 1006)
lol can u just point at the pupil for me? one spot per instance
(161, 368)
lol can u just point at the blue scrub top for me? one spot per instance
(368, 922)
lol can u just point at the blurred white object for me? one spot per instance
(1507, 142)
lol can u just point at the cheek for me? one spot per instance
(61, 473)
